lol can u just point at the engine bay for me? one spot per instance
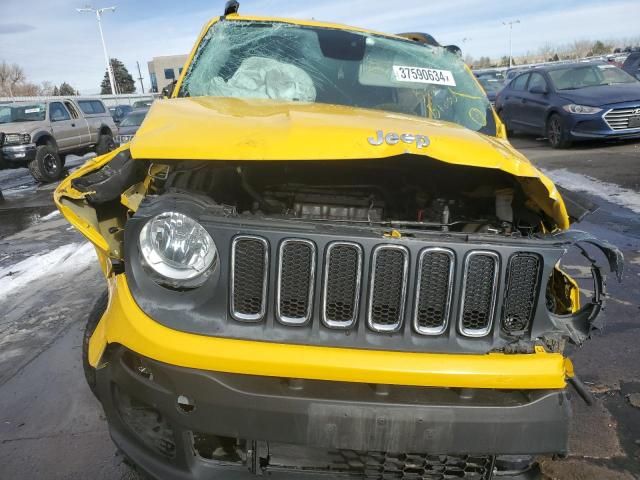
(402, 192)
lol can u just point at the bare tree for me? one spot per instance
(11, 75)
(46, 89)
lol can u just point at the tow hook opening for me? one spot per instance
(185, 404)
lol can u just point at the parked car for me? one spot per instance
(631, 64)
(119, 112)
(325, 260)
(130, 124)
(570, 102)
(39, 134)
(491, 85)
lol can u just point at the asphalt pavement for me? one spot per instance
(52, 427)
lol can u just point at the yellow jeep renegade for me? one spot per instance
(325, 259)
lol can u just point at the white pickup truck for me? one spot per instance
(39, 134)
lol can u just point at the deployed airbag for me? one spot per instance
(259, 77)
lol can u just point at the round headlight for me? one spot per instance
(177, 250)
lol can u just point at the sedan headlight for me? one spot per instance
(581, 109)
(16, 138)
(177, 251)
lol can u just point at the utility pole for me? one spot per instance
(510, 24)
(140, 76)
(99, 12)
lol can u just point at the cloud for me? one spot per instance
(8, 28)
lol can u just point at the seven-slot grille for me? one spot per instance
(345, 287)
(618, 118)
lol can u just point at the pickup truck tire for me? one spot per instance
(92, 322)
(46, 166)
(105, 144)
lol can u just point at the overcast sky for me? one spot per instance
(53, 42)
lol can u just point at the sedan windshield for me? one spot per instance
(573, 78)
(22, 113)
(292, 63)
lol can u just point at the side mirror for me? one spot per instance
(456, 50)
(538, 90)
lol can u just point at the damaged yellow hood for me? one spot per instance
(207, 128)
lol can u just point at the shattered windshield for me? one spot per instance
(292, 63)
(22, 113)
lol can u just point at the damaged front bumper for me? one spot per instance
(173, 422)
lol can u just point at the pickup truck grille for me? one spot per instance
(344, 288)
(618, 118)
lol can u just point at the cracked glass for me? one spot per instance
(293, 63)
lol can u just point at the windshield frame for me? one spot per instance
(474, 91)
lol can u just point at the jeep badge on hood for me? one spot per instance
(392, 138)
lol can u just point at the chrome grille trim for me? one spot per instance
(243, 317)
(376, 327)
(312, 277)
(618, 118)
(325, 286)
(481, 332)
(447, 310)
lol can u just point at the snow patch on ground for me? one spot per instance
(63, 260)
(609, 191)
(53, 214)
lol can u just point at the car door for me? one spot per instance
(62, 125)
(81, 133)
(535, 102)
(513, 101)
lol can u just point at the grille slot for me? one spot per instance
(341, 287)
(522, 288)
(296, 278)
(249, 271)
(479, 293)
(434, 290)
(618, 118)
(388, 288)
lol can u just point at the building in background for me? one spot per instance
(164, 70)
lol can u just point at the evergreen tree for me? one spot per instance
(55, 91)
(66, 90)
(124, 80)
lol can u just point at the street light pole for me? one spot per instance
(99, 12)
(510, 30)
